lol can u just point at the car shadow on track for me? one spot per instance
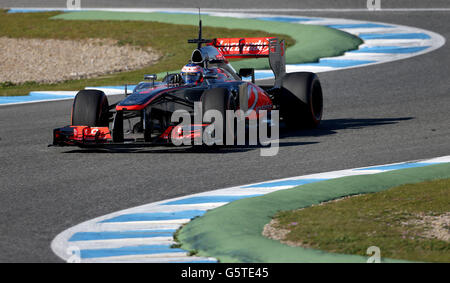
(327, 127)
(183, 149)
(332, 126)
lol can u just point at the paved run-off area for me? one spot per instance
(383, 42)
(380, 114)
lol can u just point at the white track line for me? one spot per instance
(209, 200)
(433, 42)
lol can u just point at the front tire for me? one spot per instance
(220, 99)
(90, 108)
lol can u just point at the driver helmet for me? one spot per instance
(192, 73)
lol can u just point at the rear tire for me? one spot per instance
(90, 108)
(301, 100)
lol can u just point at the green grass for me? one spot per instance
(312, 42)
(168, 39)
(384, 219)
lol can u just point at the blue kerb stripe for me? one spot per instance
(13, 11)
(366, 36)
(397, 166)
(285, 183)
(112, 235)
(33, 96)
(284, 19)
(208, 199)
(337, 63)
(366, 25)
(156, 216)
(390, 49)
(263, 75)
(132, 250)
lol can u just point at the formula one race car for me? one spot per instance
(207, 78)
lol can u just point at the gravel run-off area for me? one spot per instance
(52, 60)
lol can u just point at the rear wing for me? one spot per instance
(255, 47)
(247, 47)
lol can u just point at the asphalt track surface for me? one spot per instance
(379, 114)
